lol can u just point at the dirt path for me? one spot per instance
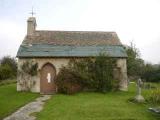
(24, 113)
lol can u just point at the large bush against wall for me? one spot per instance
(104, 66)
(90, 73)
(68, 81)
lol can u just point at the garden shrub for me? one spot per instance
(155, 96)
(104, 66)
(96, 73)
(89, 74)
(67, 81)
(84, 69)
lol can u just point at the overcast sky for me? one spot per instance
(133, 20)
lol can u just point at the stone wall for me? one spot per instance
(57, 62)
(122, 67)
(34, 82)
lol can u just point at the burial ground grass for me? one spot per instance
(11, 100)
(97, 106)
(81, 106)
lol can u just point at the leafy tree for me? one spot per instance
(7, 60)
(135, 65)
(8, 67)
(5, 72)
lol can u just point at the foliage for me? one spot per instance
(148, 85)
(135, 64)
(27, 70)
(8, 68)
(151, 73)
(11, 100)
(155, 96)
(85, 69)
(136, 67)
(67, 81)
(89, 73)
(6, 72)
(103, 71)
(29, 67)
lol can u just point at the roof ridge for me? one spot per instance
(74, 31)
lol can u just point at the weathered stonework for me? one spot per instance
(34, 82)
(121, 64)
(57, 62)
(55, 48)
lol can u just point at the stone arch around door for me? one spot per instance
(47, 76)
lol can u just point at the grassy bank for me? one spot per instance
(11, 100)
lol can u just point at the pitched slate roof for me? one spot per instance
(45, 50)
(71, 44)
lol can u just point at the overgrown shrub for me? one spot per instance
(104, 66)
(96, 73)
(155, 96)
(85, 69)
(68, 82)
(88, 73)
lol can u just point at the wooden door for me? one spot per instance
(47, 85)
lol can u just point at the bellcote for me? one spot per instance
(31, 25)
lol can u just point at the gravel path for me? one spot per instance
(24, 112)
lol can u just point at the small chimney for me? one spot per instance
(31, 25)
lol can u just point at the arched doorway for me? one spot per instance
(47, 85)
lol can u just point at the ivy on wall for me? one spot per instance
(27, 71)
(29, 67)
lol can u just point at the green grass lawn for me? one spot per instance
(11, 100)
(6, 82)
(96, 106)
(81, 106)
